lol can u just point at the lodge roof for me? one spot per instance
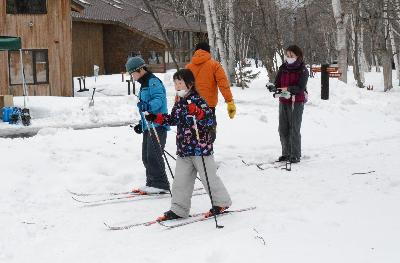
(134, 14)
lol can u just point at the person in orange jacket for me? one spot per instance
(210, 76)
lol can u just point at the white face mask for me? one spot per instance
(181, 93)
(290, 60)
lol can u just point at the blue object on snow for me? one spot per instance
(6, 113)
(15, 115)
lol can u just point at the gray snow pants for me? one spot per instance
(287, 133)
(152, 157)
(185, 176)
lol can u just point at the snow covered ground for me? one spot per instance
(318, 212)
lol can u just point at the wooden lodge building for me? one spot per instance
(45, 31)
(107, 32)
(65, 38)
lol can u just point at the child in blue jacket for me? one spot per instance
(152, 98)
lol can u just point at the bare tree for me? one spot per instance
(340, 18)
(154, 14)
(357, 43)
(217, 31)
(210, 30)
(231, 41)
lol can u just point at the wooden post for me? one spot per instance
(129, 86)
(324, 82)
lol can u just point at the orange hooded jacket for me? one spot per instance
(209, 76)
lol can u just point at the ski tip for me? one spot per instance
(77, 200)
(70, 192)
(111, 227)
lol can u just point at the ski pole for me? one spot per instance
(170, 155)
(205, 172)
(159, 143)
(165, 151)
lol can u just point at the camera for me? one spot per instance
(278, 92)
(284, 94)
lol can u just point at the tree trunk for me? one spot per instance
(355, 29)
(220, 45)
(210, 30)
(365, 67)
(377, 65)
(231, 41)
(341, 38)
(270, 51)
(393, 48)
(397, 49)
(309, 48)
(386, 53)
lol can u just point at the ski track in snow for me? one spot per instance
(318, 212)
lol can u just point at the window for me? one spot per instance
(135, 54)
(170, 35)
(185, 40)
(26, 7)
(176, 40)
(155, 58)
(36, 67)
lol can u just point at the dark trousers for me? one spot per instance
(152, 157)
(289, 128)
(213, 129)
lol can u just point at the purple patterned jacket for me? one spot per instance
(186, 139)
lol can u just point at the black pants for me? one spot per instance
(289, 128)
(152, 157)
(213, 129)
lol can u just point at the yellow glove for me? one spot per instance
(231, 109)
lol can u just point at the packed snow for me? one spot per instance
(340, 204)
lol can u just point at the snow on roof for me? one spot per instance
(84, 2)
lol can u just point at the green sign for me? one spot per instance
(10, 43)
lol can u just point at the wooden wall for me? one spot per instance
(119, 42)
(3, 55)
(87, 48)
(50, 31)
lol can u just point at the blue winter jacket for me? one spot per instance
(153, 94)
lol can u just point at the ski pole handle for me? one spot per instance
(195, 123)
(195, 127)
(152, 126)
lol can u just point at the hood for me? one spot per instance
(200, 56)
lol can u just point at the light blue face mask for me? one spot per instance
(182, 93)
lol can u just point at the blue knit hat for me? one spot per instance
(134, 63)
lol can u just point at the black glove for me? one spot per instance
(138, 128)
(271, 87)
(150, 117)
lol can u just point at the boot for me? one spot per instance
(283, 158)
(216, 210)
(169, 215)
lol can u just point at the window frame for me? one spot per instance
(34, 71)
(15, 12)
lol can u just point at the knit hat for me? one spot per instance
(204, 46)
(134, 63)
